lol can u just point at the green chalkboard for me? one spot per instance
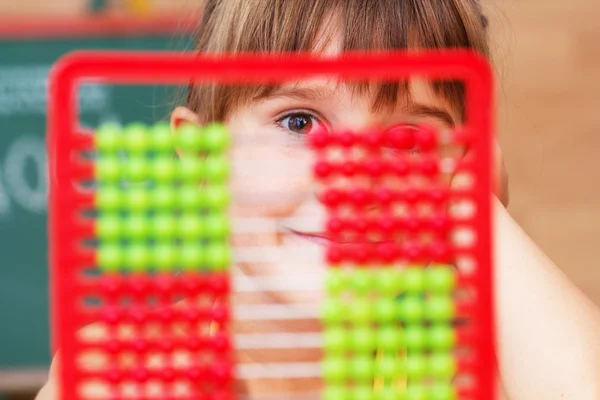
(24, 66)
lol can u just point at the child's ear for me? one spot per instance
(182, 115)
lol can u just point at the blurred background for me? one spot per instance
(547, 54)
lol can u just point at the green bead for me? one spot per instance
(109, 227)
(189, 198)
(410, 309)
(188, 137)
(389, 282)
(361, 311)
(441, 279)
(414, 280)
(363, 339)
(336, 392)
(363, 392)
(136, 226)
(390, 393)
(137, 169)
(385, 310)
(191, 169)
(216, 168)
(362, 368)
(108, 138)
(442, 366)
(108, 169)
(336, 340)
(441, 338)
(190, 226)
(137, 199)
(137, 138)
(335, 369)
(442, 391)
(163, 169)
(216, 197)
(416, 366)
(333, 311)
(218, 256)
(388, 367)
(191, 256)
(390, 339)
(216, 226)
(215, 138)
(138, 257)
(163, 226)
(416, 338)
(162, 139)
(110, 257)
(164, 198)
(416, 392)
(439, 309)
(361, 281)
(336, 281)
(109, 198)
(165, 256)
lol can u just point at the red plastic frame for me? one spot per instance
(171, 68)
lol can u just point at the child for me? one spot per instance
(548, 346)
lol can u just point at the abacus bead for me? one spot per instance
(439, 223)
(385, 310)
(191, 169)
(361, 280)
(109, 198)
(162, 138)
(188, 138)
(332, 198)
(387, 252)
(137, 199)
(108, 169)
(363, 340)
(110, 257)
(375, 168)
(383, 196)
(216, 226)
(218, 256)
(137, 169)
(414, 279)
(439, 308)
(165, 256)
(349, 168)
(163, 169)
(136, 226)
(138, 257)
(335, 225)
(416, 392)
(416, 366)
(108, 138)
(333, 311)
(429, 167)
(216, 168)
(336, 281)
(362, 368)
(441, 338)
(215, 138)
(109, 227)
(335, 369)
(136, 137)
(322, 169)
(336, 393)
(411, 309)
(363, 392)
(361, 311)
(216, 197)
(441, 279)
(442, 366)
(425, 138)
(401, 137)
(389, 282)
(336, 340)
(190, 226)
(416, 338)
(163, 226)
(347, 139)
(335, 254)
(190, 256)
(163, 198)
(189, 197)
(387, 367)
(373, 139)
(390, 393)
(442, 391)
(390, 338)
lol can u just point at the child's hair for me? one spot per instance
(270, 26)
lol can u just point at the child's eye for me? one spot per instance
(299, 123)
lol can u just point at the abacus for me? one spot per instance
(142, 254)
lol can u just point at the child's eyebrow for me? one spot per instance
(423, 110)
(307, 93)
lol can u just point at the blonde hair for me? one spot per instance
(272, 26)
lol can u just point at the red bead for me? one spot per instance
(323, 169)
(425, 138)
(410, 195)
(164, 283)
(167, 374)
(360, 225)
(387, 252)
(218, 284)
(438, 194)
(222, 394)
(196, 374)
(166, 345)
(113, 346)
(386, 225)
(383, 196)
(347, 139)
(140, 374)
(349, 169)
(221, 371)
(375, 167)
(110, 285)
(113, 375)
(220, 342)
(400, 167)
(332, 198)
(439, 223)
(411, 224)
(429, 167)
(412, 251)
(193, 344)
(191, 315)
(335, 254)
(401, 137)
(373, 139)
(360, 197)
(440, 251)
(335, 225)
(138, 285)
(319, 139)
(111, 315)
(137, 315)
(165, 315)
(220, 314)
(140, 345)
(360, 253)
